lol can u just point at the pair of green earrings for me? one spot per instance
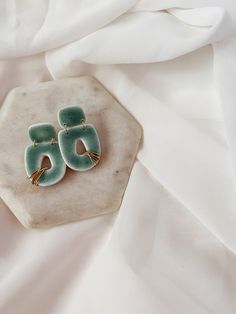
(63, 152)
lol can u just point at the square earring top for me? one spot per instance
(41, 132)
(71, 116)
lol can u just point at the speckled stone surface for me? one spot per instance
(79, 195)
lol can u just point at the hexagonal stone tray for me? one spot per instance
(79, 195)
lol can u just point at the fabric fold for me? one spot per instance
(148, 40)
(171, 247)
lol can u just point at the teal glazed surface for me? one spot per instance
(68, 140)
(42, 134)
(72, 118)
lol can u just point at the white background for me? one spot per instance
(171, 247)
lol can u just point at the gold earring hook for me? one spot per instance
(53, 140)
(83, 124)
(66, 128)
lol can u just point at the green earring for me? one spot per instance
(72, 119)
(45, 145)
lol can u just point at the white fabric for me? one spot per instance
(171, 247)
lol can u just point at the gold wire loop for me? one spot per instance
(94, 156)
(53, 140)
(36, 175)
(83, 124)
(65, 127)
(35, 143)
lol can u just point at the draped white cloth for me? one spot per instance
(171, 247)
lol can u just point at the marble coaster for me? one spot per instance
(79, 195)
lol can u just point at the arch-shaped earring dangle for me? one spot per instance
(72, 120)
(43, 136)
